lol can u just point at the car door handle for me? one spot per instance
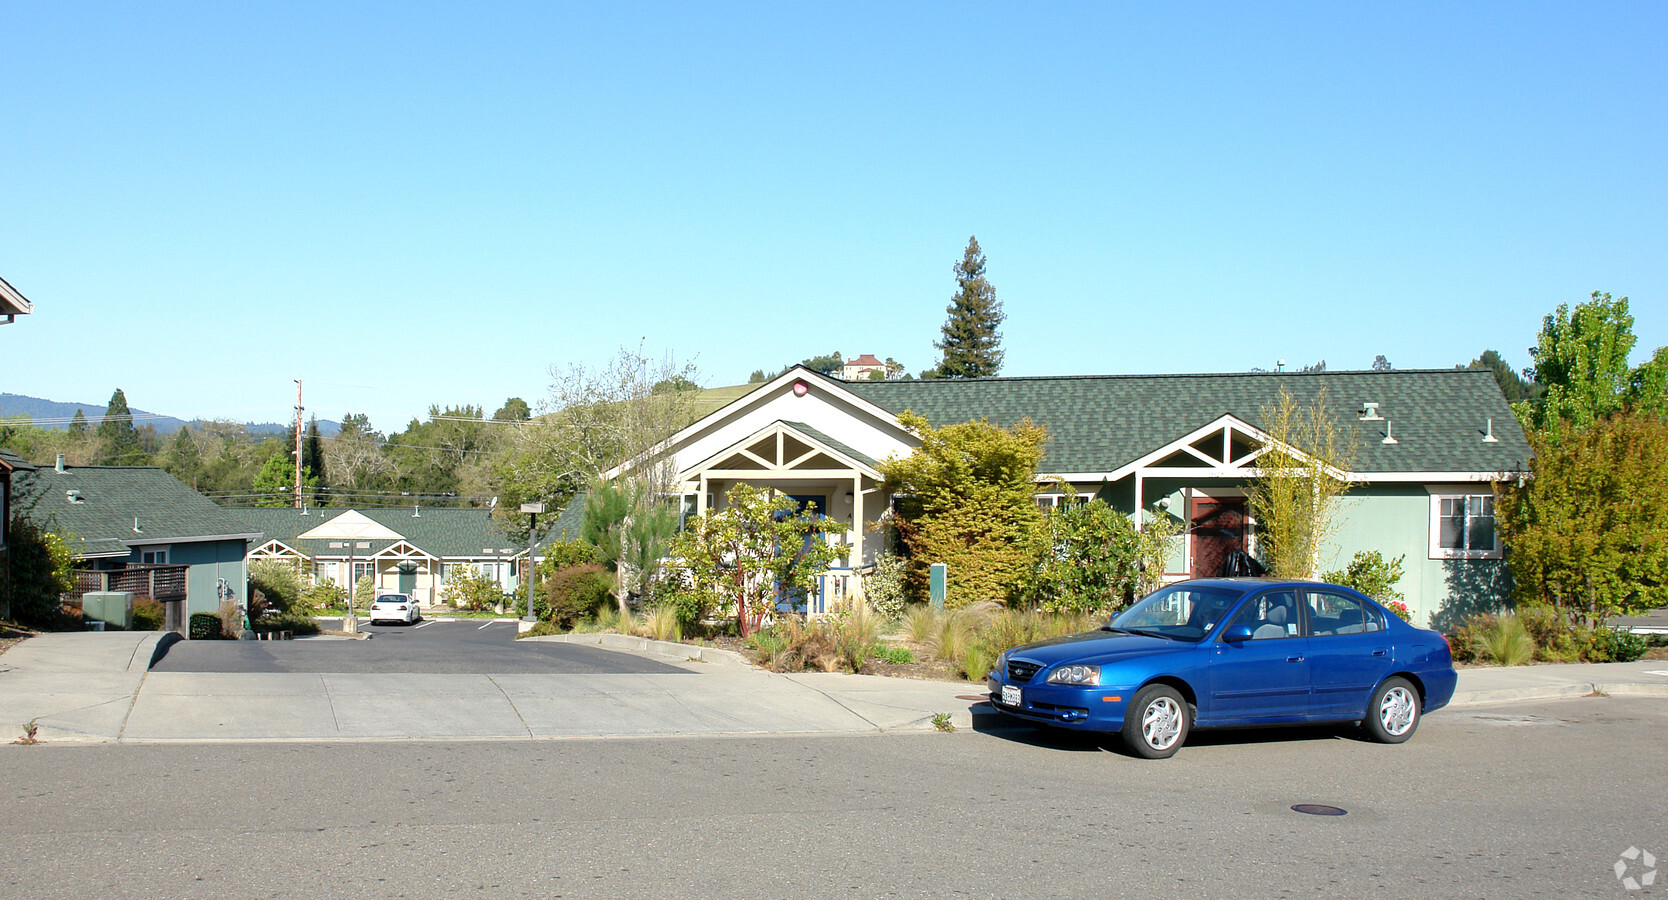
(1381, 652)
(1294, 659)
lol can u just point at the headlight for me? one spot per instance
(1075, 675)
(1001, 662)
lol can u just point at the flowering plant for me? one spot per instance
(1400, 609)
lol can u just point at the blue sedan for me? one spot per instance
(1231, 652)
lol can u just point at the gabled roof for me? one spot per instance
(1098, 424)
(13, 303)
(113, 508)
(443, 533)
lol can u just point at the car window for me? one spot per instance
(1183, 613)
(1270, 615)
(390, 598)
(1333, 613)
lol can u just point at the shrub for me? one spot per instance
(364, 592)
(468, 588)
(278, 581)
(205, 627)
(1466, 641)
(1556, 640)
(692, 605)
(148, 614)
(884, 588)
(40, 567)
(576, 592)
(1618, 645)
(539, 629)
(296, 622)
(326, 594)
(897, 656)
(1369, 573)
(1508, 642)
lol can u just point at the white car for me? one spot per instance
(395, 608)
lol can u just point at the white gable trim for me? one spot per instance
(766, 392)
(403, 549)
(771, 469)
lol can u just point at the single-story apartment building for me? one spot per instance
(136, 519)
(1429, 445)
(411, 550)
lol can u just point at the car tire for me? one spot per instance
(1157, 722)
(1394, 713)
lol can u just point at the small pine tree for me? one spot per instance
(118, 440)
(972, 343)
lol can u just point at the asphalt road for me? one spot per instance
(428, 648)
(1531, 800)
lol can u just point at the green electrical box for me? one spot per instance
(938, 579)
(109, 607)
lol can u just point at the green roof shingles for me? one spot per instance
(1100, 423)
(445, 533)
(114, 501)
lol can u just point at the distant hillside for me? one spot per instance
(55, 414)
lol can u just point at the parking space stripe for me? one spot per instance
(426, 623)
(489, 623)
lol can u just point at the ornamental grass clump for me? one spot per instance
(1508, 643)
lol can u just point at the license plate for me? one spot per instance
(1010, 695)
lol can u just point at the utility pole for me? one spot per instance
(298, 408)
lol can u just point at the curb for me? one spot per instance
(1558, 692)
(662, 649)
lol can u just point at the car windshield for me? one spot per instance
(1182, 613)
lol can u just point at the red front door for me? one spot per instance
(1217, 528)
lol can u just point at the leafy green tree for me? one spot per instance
(40, 565)
(514, 409)
(1381, 363)
(968, 501)
(756, 550)
(1581, 362)
(119, 443)
(1091, 559)
(1371, 574)
(599, 420)
(1587, 531)
(78, 425)
(971, 344)
(1514, 386)
(632, 526)
(1296, 494)
(827, 365)
(274, 484)
(184, 459)
(1648, 386)
(356, 460)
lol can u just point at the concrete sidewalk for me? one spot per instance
(96, 687)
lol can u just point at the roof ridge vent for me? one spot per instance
(1369, 412)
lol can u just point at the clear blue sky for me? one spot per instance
(411, 203)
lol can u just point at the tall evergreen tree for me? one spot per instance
(117, 438)
(1512, 384)
(972, 345)
(78, 426)
(312, 456)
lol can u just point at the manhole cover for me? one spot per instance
(1316, 809)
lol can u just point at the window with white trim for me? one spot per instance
(1462, 527)
(154, 556)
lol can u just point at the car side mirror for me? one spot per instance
(1237, 633)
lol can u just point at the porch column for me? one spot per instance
(1140, 507)
(857, 522)
(701, 496)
